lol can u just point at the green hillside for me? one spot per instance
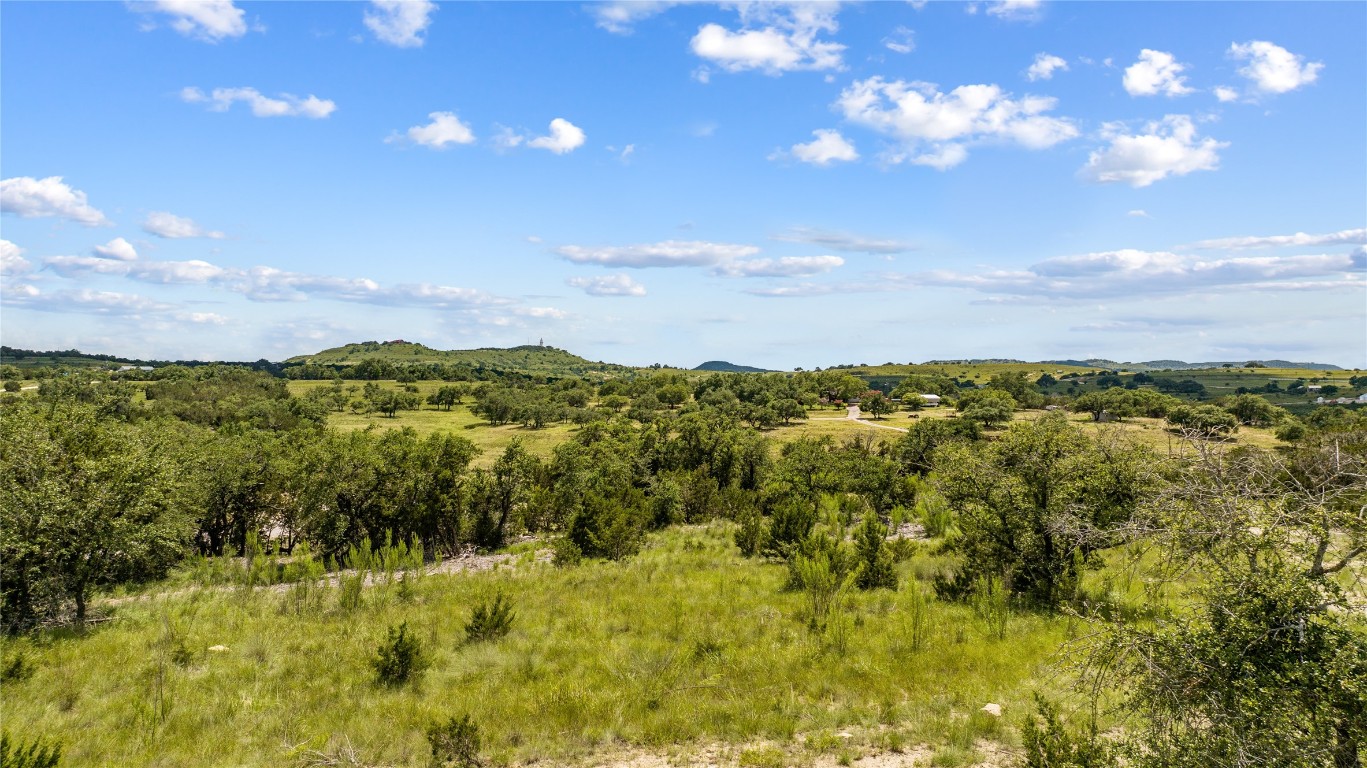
(529, 358)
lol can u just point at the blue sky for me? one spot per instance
(779, 185)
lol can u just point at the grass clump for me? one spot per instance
(762, 757)
(490, 620)
(455, 743)
(1048, 744)
(400, 658)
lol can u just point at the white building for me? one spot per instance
(930, 399)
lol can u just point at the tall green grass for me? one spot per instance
(685, 643)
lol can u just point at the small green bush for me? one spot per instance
(762, 757)
(490, 620)
(1048, 744)
(991, 603)
(565, 553)
(34, 754)
(16, 668)
(400, 657)
(455, 743)
(750, 535)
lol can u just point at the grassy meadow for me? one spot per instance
(687, 646)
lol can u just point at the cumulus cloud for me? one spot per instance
(207, 20)
(117, 249)
(1156, 72)
(902, 40)
(1272, 68)
(1015, 10)
(669, 253)
(443, 130)
(620, 17)
(400, 22)
(608, 285)
(1044, 67)
(173, 227)
(774, 38)
(564, 137)
(934, 128)
(828, 147)
(787, 266)
(285, 105)
(1226, 94)
(1169, 147)
(12, 261)
(32, 198)
(842, 241)
(1343, 237)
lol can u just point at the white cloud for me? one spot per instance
(87, 301)
(1015, 10)
(1044, 66)
(173, 227)
(608, 285)
(787, 266)
(1344, 237)
(935, 127)
(1129, 273)
(1156, 72)
(564, 137)
(541, 313)
(444, 129)
(1272, 68)
(774, 38)
(207, 20)
(669, 253)
(263, 283)
(32, 198)
(841, 241)
(1139, 213)
(1169, 148)
(620, 17)
(828, 147)
(286, 105)
(12, 261)
(117, 249)
(1226, 94)
(400, 22)
(902, 40)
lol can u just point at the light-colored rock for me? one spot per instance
(994, 710)
(218, 649)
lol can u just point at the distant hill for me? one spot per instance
(725, 367)
(529, 358)
(1178, 365)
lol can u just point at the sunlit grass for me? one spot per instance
(686, 643)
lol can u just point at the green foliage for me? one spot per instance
(455, 743)
(84, 501)
(400, 658)
(15, 753)
(987, 407)
(876, 570)
(750, 533)
(992, 605)
(490, 619)
(1254, 411)
(823, 571)
(790, 524)
(1035, 504)
(915, 451)
(1019, 386)
(1049, 744)
(1203, 420)
(935, 515)
(611, 528)
(1267, 663)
